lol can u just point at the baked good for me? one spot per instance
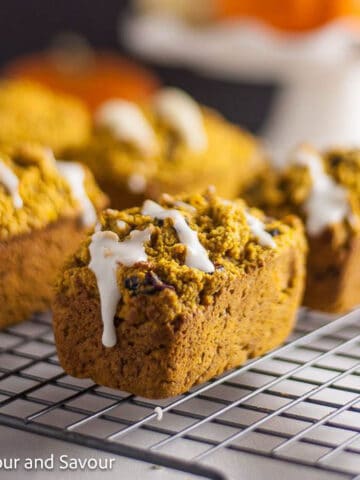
(170, 294)
(293, 16)
(45, 209)
(30, 112)
(169, 145)
(324, 190)
(77, 70)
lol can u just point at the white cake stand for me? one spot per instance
(319, 72)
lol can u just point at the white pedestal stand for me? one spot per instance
(319, 72)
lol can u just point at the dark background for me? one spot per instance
(29, 25)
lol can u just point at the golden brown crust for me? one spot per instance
(37, 236)
(29, 264)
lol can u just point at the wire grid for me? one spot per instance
(298, 404)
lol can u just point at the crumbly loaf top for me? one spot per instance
(185, 245)
(35, 191)
(167, 139)
(32, 113)
(323, 189)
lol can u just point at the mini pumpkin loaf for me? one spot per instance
(45, 208)
(31, 113)
(169, 294)
(169, 145)
(324, 190)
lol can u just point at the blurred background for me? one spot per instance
(287, 70)
(30, 26)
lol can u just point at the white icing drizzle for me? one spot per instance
(121, 224)
(159, 413)
(106, 253)
(74, 174)
(196, 255)
(327, 202)
(183, 114)
(136, 183)
(11, 183)
(257, 228)
(128, 124)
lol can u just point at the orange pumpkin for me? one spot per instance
(103, 76)
(290, 15)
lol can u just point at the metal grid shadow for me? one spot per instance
(298, 404)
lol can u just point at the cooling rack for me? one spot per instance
(298, 404)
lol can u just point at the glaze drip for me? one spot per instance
(11, 183)
(128, 124)
(196, 255)
(182, 113)
(257, 228)
(74, 174)
(106, 253)
(327, 202)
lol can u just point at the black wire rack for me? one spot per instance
(298, 404)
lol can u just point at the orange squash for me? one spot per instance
(289, 15)
(103, 76)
